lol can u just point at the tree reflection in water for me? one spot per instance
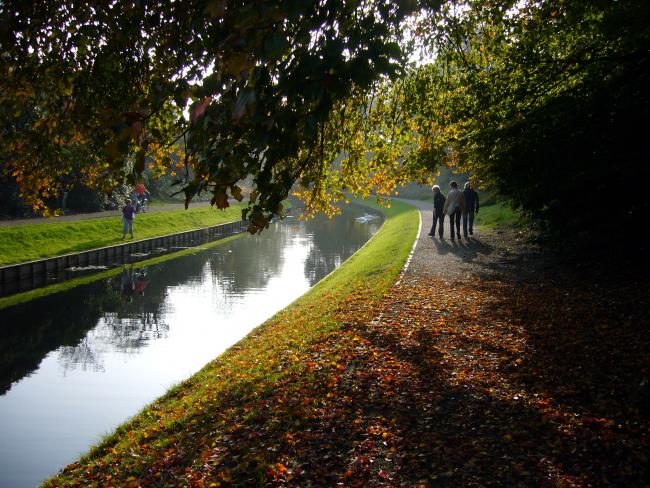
(126, 313)
(129, 318)
(113, 333)
(257, 260)
(326, 254)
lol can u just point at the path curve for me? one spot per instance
(485, 251)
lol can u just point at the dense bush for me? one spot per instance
(11, 205)
(83, 199)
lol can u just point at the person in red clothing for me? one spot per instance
(140, 283)
(140, 193)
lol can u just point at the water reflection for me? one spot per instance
(76, 364)
(326, 254)
(62, 321)
(263, 259)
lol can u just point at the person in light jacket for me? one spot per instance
(454, 207)
(471, 207)
(438, 212)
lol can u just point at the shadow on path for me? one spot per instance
(466, 249)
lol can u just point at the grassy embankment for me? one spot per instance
(173, 438)
(497, 214)
(30, 242)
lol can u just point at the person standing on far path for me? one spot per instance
(471, 206)
(454, 207)
(128, 216)
(438, 212)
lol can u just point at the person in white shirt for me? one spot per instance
(454, 207)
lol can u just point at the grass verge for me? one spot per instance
(497, 214)
(197, 425)
(30, 242)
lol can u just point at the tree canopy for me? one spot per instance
(272, 90)
(545, 102)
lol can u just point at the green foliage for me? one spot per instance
(274, 91)
(11, 205)
(422, 191)
(497, 214)
(83, 199)
(545, 102)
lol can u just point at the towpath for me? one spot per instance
(490, 366)
(486, 364)
(486, 252)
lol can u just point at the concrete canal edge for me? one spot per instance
(26, 276)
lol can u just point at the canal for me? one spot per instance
(76, 364)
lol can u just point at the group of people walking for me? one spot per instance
(457, 204)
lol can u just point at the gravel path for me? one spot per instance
(486, 253)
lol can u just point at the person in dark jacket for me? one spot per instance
(438, 212)
(128, 215)
(471, 207)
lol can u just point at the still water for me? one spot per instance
(75, 365)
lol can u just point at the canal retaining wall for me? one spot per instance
(34, 274)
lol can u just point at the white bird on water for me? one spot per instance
(364, 219)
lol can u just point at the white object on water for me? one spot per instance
(364, 219)
(86, 268)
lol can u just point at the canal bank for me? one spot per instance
(24, 281)
(175, 432)
(27, 296)
(27, 276)
(140, 313)
(52, 237)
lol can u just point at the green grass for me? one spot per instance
(497, 214)
(161, 202)
(30, 242)
(229, 388)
